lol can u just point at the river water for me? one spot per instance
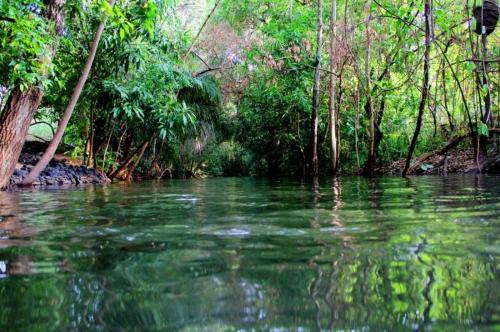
(249, 254)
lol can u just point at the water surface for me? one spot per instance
(253, 255)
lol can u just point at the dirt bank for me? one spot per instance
(456, 161)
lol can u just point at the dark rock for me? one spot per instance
(57, 172)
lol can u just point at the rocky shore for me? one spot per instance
(59, 172)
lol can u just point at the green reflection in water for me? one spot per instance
(254, 254)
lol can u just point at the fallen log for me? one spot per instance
(440, 152)
(486, 166)
(495, 131)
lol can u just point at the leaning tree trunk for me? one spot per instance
(51, 149)
(139, 157)
(333, 91)
(22, 106)
(425, 88)
(316, 93)
(129, 159)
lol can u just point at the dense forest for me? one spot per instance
(295, 130)
(151, 89)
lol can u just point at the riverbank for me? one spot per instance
(64, 171)
(456, 161)
(60, 171)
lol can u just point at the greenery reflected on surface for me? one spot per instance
(254, 254)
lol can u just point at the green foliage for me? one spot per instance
(25, 44)
(229, 158)
(483, 130)
(275, 108)
(241, 102)
(139, 89)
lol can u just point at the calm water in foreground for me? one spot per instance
(254, 255)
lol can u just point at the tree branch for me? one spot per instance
(45, 123)
(184, 58)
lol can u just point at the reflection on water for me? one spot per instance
(254, 254)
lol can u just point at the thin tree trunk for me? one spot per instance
(376, 117)
(378, 123)
(117, 154)
(445, 97)
(475, 137)
(338, 105)
(316, 94)
(434, 107)
(425, 88)
(129, 159)
(22, 106)
(460, 89)
(139, 157)
(106, 151)
(290, 9)
(369, 105)
(333, 90)
(356, 124)
(86, 145)
(184, 58)
(88, 150)
(51, 149)
(488, 119)
(92, 136)
(96, 153)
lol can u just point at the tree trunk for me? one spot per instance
(487, 116)
(51, 149)
(22, 106)
(139, 157)
(425, 88)
(103, 168)
(333, 90)
(376, 117)
(445, 97)
(376, 135)
(356, 123)
(15, 122)
(129, 159)
(316, 94)
(488, 119)
(370, 164)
